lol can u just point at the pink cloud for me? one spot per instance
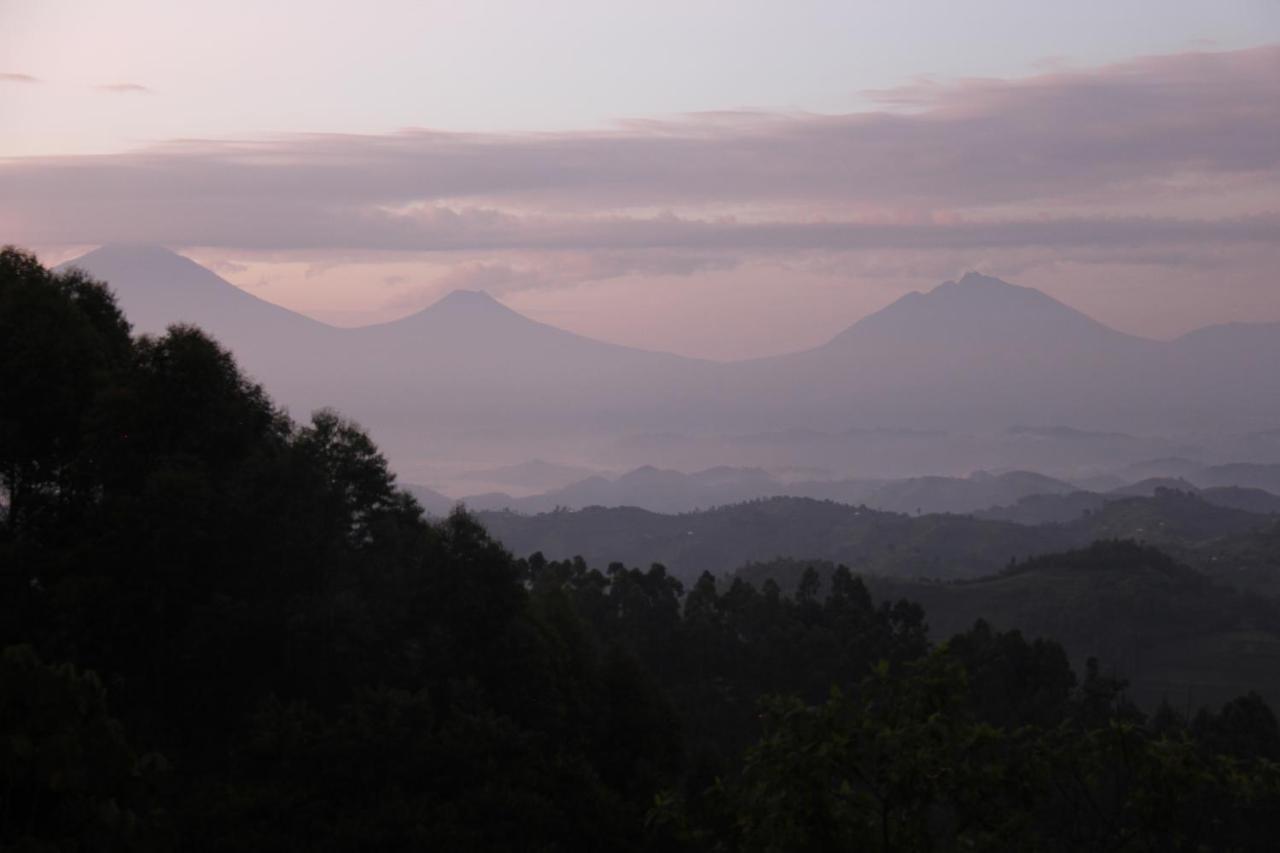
(967, 164)
(124, 89)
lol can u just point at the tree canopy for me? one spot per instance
(224, 630)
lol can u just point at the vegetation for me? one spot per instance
(1230, 544)
(1175, 633)
(226, 631)
(721, 540)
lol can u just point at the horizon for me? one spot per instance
(1125, 170)
(936, 383)
(450, 297)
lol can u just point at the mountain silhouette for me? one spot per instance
(464, 362)
(157, 287)
(977, 353)
(974, 353)
(977, 310)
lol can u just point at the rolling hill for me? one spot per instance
(869, 541)
(1171, 631)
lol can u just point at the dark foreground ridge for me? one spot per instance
(224, 630)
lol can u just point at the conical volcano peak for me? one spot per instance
(974, 288)
(977, 279)
(468, 298)
(158, 287)
(471, 303)
(462, 312)
(133, 253)
(980, 308)
(134, 249)
(978, 283)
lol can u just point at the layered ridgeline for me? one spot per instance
(226, 630)
(977, 353)
(1022, 496)
(887, 544)
(1174, 633)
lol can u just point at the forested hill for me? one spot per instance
(1173, 632)
(868, 541)
(222, 630)
(719, 540)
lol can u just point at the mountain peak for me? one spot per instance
(121, 263)
(460, 311)
(475, 303)
(975, 283)
(977, 279)
(134, 253)
(158, 287)
(980, 309)
(467, 297)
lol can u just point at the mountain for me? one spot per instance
(647, 487)
(969, 357)
(1227, 369)
(449, 379)
(870, 541)
(980, 353)
(278, 347)
(157, 287)
(720, 540)
(973, 352)
(1047, 509)
(468, 359)
(1148, 487)
(669, 491)
(1245, 474)
(956, 495)
(978, 315)
(1068, 508)
(433, 503)
(1257, 501)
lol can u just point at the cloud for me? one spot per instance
(10, 77)
(551, 270)
(1080, 158)
(124, 89)
(223, 266)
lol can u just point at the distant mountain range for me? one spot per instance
(977, 353)
(461, 360)
(1024, 497)
(887, 544)
(669, 491)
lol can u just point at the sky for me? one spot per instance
(721, 179)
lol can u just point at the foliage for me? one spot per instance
(322, 669)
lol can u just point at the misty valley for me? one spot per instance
(979, 574)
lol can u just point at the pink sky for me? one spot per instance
(1145, 192)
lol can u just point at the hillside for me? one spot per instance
(869, 541)
(1171, 631)
(667, 491)
(720, 540)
